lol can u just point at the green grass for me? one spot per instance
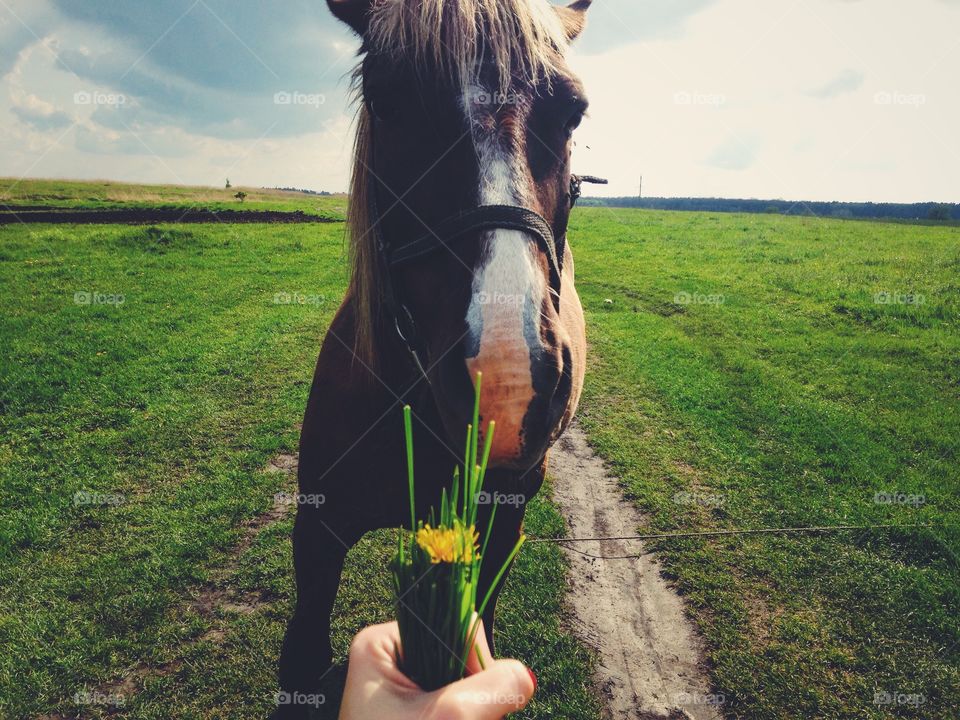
(791, 400)
(77, 194)
(172, 402)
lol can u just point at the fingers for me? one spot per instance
(373, 654)
(504, 687)
(375, 639)
(480, 643)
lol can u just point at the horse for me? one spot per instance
(460, 194)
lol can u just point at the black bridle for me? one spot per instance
(480, 218)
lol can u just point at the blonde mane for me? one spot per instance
(522, 39)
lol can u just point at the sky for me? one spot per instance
(850, 100)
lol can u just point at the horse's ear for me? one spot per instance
(354, 13)
(574, 17)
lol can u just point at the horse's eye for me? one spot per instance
(575, 116)
(384, 109)
(383, 105)
(573, 122)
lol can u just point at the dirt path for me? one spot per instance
(650, 657)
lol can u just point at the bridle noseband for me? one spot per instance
(480, 218)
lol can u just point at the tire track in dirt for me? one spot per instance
(650, 658)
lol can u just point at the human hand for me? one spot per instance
(376, 689)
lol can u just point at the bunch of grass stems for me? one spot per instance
(436, 600)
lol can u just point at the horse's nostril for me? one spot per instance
(552, 385)
(561, 396)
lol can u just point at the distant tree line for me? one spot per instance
(941, 212)
(302, 190)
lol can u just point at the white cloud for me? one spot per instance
(21, 25)
(40, 114)
(735, 153)
(847, 81)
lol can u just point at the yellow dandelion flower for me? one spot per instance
(449, 545)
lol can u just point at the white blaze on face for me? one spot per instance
(508, 276)
(508, 285)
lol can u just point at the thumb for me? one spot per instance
(504, 687)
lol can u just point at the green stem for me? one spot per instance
(503, 569)
(408, 434)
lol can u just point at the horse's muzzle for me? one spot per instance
(526, 386)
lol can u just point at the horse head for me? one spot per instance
(460, 198)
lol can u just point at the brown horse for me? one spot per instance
(460, 196)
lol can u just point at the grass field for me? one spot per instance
(164, 409)
(761, 371)
(747, 371)
(76, 194)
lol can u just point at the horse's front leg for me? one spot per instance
(320, 544)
